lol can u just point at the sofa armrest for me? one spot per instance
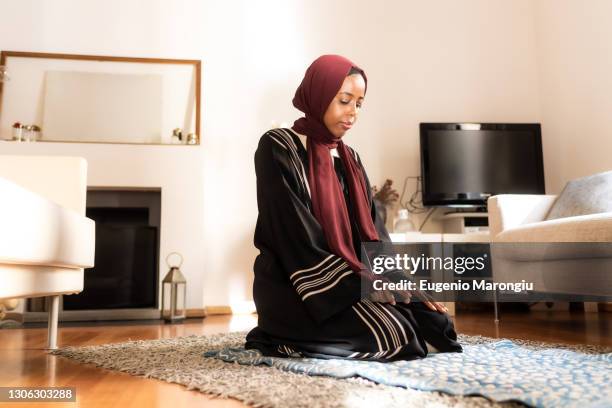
(37, 231)
(511, 210)
(580, 228)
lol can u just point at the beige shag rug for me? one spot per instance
(179, 360)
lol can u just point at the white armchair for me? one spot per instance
(45, 238)
(571, 268)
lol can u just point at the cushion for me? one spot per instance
(587, 195)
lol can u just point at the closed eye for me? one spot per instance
(346, 102)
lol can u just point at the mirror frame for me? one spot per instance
(197, 65)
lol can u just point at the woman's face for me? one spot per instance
(341, 114)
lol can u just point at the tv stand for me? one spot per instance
(468, 210)
(465, 222)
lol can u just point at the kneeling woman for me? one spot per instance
(315, 208)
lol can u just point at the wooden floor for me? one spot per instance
(23, 362)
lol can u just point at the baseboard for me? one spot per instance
(95, 315)
(236, 309)
(201, 312)
(209, 311)
(605, 307)
(556, 306)
(133, 314)
(217, 310)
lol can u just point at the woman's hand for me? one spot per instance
(429, 302)
(388, 296)
(382, 296)
(405, 296)
(436, 306)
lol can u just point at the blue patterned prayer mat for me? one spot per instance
(500, 371)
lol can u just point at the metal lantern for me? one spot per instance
(174, 292)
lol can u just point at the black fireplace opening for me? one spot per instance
(125, 275)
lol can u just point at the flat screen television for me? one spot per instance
(462, 164)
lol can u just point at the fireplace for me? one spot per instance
(123, 284)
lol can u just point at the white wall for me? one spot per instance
(575, 72)
(473, 60)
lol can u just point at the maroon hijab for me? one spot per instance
(320, 85)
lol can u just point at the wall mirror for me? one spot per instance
(99, 99)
